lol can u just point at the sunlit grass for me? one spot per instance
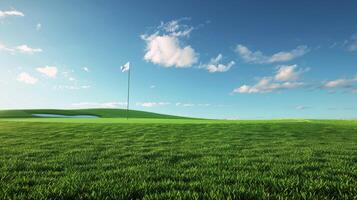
(165, 159)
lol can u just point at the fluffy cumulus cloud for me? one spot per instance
(215, 65)
(340, 83)
(266, 85)
(165, 46)
(258, 57)
(285, 78)
(288, 73)
(152, 104)
(26, 78)
(49, 71)
(9, 13)
(166, 51)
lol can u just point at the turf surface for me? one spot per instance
(187, 159)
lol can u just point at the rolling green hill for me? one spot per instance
(102, 113)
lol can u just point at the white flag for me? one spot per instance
(125, 67)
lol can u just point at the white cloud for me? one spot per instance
(20, 49)
(27, 50)
(5, 48)
(259, 58)
(342, 83)
(266, 85)
(167, 51)
(285, 78)
(215, 66)
(11, 13)
(86, 69)
(338, 83)
(152, 104)
(99, 105)
(287, 56)
(249, 56)
(152, 86)
(26, 78)
(49, 71)
(38, 26)
(164, 47)
(288, 73)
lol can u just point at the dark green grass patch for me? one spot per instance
(251, 160)
(102, 113)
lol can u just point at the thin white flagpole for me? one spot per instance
(127, 105)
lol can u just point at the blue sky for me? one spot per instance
(213, 59)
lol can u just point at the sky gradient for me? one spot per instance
(211, 59)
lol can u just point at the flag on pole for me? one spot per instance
(126, 68)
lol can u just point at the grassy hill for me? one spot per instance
(102, 113)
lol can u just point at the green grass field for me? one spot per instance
(177, 159)
(102, 113)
